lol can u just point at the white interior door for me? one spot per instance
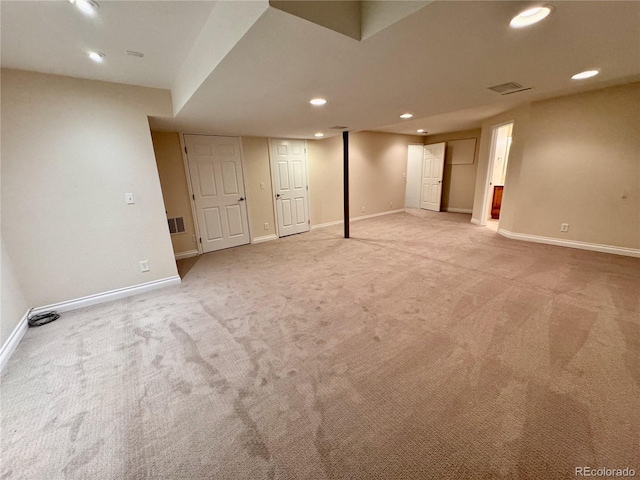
(215, 168)
(432, 171)
(414, 176)
(290, 186)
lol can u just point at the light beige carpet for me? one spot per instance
(422, 348)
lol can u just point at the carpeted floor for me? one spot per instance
(422, 348)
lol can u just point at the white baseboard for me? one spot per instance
(187, 254)
(595, 247)
(14, 339)
(353, 219)
(475, 221)
(328, 224)
(458, 210)
(265, 238)
(21, 329)
(364, 217)
(108, 296)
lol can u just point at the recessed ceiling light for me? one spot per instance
(318, 101)
(318, 135)
(529, 17)
(87, 7)
(96, 56)
(406, 115)
(585, 74)
(420, 130)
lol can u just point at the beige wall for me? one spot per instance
(572, 160)
(459, 180)
(176, 194)
(377, 164)
(325, 180)
(71, 149)
(168, 152)
(258, 171)
(13, 304)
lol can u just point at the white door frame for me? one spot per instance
(192, 202)
(244, 185)
(488, 180)
(273, 185)
(192, 199)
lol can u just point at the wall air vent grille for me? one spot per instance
(176, 225)
(508, 88)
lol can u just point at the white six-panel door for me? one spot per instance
(432, 173)
(289, 174)
(215, 168)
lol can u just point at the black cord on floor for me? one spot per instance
(42, 318)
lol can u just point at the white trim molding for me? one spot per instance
(595, 247)
(192, 200)
(14, 339)
(21, 329)
(475, 221)
(187, 254)
(353, 219)
(458, 210)
(108, 296)
(264, 238)
(327, 224)
(364, 217)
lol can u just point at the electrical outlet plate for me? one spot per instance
(362, 209)
(144, 266)
(564, 227)
(129, 198)
(266, 225)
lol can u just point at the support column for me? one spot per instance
(345, 176)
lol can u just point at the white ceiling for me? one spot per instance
(54, 37)
(436, 63)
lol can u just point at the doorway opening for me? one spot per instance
(425, 170)
(501, 138)
(413, 176)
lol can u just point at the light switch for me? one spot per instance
(129, 198)
(261, 185)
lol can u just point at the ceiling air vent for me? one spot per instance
(338, 127)
(508, 88)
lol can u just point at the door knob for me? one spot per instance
(278, 195)
(241, 199)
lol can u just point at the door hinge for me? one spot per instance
(309, 221)
(193, 196)
(200, 239)
(185, 150)
(307, 188)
